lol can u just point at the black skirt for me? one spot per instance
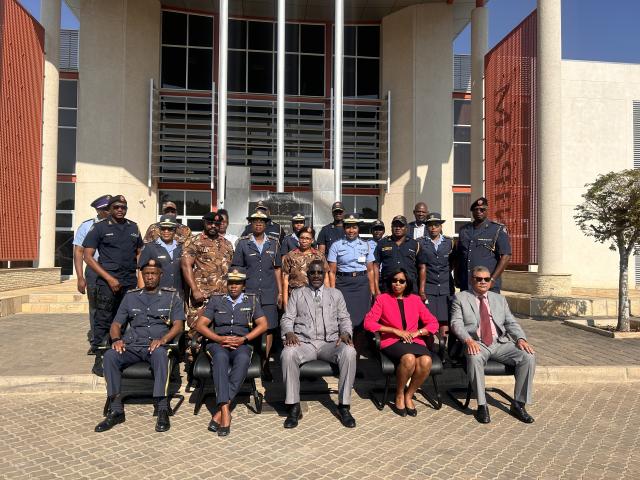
(357, 296)
(439, 307)
(398, 349)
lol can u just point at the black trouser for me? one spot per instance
(107, 304)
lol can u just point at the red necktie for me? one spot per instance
(485, 322)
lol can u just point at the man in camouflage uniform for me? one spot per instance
(205, 261)
(182, 231)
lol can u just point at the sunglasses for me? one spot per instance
(315, 272)
(119, 207)
(401, 281)
(170, 210)
(167, 229)
(479, 209)
(482, 279)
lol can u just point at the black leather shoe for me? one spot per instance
(399, 411)
(294, 415)
(110, 421)
(412, 412)
(482, 414)
(163, 424)
(345, 416)
(213, 426)
(224, 431)
(97, 366)
(517, 410)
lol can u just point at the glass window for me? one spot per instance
(291, 74)
(462, 134)
(64, 220)
(64, 252)
(368, 77)
(237, 34)
(237, 65)
(311, 75)
(175, 196)
(65, 196)
(174, 28)
(200, 69)
(174, 64)
(66, 150)
(350, 40)
(312, 38)
(369, 41)
(349, 82)
(461, 204)
(68, 93)
(462, 112)
(462, 164)
(260, 72)
(200, 31)
(458, 225)
(67, 118)
(197, 203)
(291, 37)
(261, 36)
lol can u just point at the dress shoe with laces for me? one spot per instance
(345, 416)
(111, 420)
(294, 415)
(482, 414)
(517, 410)
(163, 424)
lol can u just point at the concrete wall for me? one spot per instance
(597, 137)
(119, 53)
(17, 278)
(417, 61)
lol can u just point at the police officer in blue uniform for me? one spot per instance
(260, 255)
(167, 251)
(154, 316)
(230, 322)
(435, 262)
(273, 230)
(118, 241)
(481, 242)
(332, 231)
(395, 251)
(290, 242)
(351, 271)
(86, 279)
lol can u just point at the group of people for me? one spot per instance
(320, 293)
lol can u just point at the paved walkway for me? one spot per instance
(581, 432)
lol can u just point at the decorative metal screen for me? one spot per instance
(21, 84)
(636, 163)
(68, 50)
(510, 137)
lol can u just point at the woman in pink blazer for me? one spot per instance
(397, 315)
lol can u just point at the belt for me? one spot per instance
(351, 274)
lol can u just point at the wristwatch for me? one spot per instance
(114, 340)
(246, 340)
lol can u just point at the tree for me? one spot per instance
(611, 214)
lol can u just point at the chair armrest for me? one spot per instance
(377, 339)
(176, 344)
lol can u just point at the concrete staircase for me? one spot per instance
(55, 303)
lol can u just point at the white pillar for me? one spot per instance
(479, 48)
(222, 100)
(338, 105)
(549, 137)
(280, 93)
(50, 18)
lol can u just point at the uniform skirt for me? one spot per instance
(271, 312)
(396, 350)
(439, 307)
(357, 296)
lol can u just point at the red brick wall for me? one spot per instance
(21, 85)
(510, 121)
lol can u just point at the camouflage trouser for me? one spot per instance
(193, 337)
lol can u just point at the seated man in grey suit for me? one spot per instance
(316, 326)
(483, 322)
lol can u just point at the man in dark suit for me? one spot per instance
(481, 319)
(316, 325)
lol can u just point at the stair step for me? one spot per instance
(61, 307)
(57, 298)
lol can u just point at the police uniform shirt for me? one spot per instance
(149, 315)
(480, 246)
(81, 233)
(389, 255)
(351, 255)
(169, 259)
(272, 230)
(260, 265)
(289, 243)
(118, 244)
(329, 234)
(435, 256)
(233, 318)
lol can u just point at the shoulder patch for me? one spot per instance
(497, 223)
(134, 290)
(168, 289)
(245, 237)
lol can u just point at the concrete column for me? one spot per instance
(50, 18)
(479, 48)
(549, 141)
(223, 42)
(280, 96)
(338, 63)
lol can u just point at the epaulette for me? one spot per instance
(245, 237)
(139, 289)
(168, 289)
(250, 295)
(497, 223)
(217, 294)
(446, 237)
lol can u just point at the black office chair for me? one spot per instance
(388, 369)
(202, 373)
(137, 379)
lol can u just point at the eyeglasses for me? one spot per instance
(119, 207)
(401, 281)
(482, 279)
(479, 209)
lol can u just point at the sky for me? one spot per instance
(603, 30)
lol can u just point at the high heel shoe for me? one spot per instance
(399, 411)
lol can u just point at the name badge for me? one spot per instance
(384, 249)
(362, 259)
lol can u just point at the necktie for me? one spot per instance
(485, 322)
(316, 296)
